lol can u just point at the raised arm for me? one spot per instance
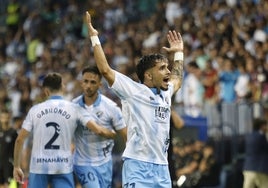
(178, 122)
(100, 59)
(176, 46)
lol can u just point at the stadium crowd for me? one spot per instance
(226, 47)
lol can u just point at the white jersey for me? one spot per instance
(147, 116)
(92, 149)
(53, 123)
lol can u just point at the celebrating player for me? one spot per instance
(146, 109)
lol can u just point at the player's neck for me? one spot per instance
(55, 94)
(90, 100)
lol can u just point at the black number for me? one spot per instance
(91, 176)
(106, 149)
(49, 144)
(82, 179)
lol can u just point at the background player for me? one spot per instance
(53, 123)
(93, 162)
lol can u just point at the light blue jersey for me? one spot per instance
(147, 115)
(53, 124)
(93, 153)
(92, 149)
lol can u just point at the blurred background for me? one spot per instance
(225, 68)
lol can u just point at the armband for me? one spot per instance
(95, 40)
(178, 56)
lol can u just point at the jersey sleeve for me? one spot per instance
(83, 116)
(124, 86)
(28, 121)
(117, 118)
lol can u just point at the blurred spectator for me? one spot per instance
(193, 91)
(209, 168)
(188, 163)
(256, 78)
(13, 15)
(200, 167)
(242, 87)
(211, 96)
(228, 77)
(8, 136)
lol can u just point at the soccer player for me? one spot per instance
(93, 162)
(146, 109)
(53, 123)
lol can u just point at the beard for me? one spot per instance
(89, 93)
(164, 88)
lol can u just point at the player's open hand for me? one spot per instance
(91, 30)
(175, 41)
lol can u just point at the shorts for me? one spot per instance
(54, 180)
(95, 176)
(138, 174)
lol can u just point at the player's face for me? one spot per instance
(161, 75)
(90, 84)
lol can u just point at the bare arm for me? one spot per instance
(123, 134)
(177, 120)
(176, 46)
(99, 55)
(17, 171)
(99, 130)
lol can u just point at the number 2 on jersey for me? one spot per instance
(49, 144)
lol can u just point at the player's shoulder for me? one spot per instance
(107, 101)
(55, 103)
(77, 99)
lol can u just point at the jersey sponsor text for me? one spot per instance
(52, 160)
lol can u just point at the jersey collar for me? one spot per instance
(81, 101)
(55, 97)
(156, 91)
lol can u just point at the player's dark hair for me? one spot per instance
(92, 69)
(147, 62)
(258, 123)
(53, 81)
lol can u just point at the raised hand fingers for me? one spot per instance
(88, 17)
(173, 35)
(179, 36)
(175, 41)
